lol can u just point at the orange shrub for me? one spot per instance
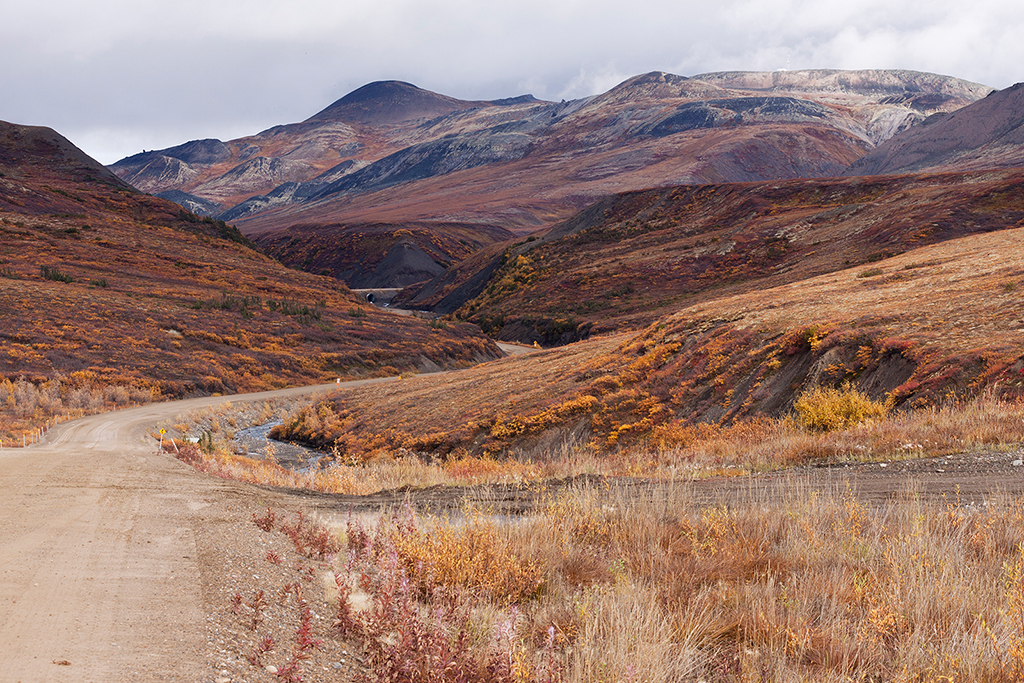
(471, 553)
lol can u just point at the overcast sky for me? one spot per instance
(120, 76)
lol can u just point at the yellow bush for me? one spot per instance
(472, 554)
(828, 409)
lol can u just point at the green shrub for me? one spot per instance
(54, 274)
(828, 409)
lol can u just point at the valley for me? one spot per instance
(764, 421)
(392, 153)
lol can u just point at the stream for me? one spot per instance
(254, 442)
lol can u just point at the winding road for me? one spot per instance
(100, 540)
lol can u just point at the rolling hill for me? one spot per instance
(380, 255)
(101, 285)
(632, 258)
(935, 324)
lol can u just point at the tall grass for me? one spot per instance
(654, 587)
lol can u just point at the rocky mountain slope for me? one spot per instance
(986, 134)
(103, 285)
(521, 162)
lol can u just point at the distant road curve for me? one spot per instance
(100, 577)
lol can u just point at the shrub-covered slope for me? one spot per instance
(100, 284)
(936, 323)
(632, 258)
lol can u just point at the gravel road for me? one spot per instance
(108, 550)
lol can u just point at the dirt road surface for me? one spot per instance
(100, 544)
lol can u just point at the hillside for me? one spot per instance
(380, 255)
(632, 258)
(936, 323)
(986, 134)
(101, 285)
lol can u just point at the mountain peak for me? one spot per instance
(38, 147)
(385, 102)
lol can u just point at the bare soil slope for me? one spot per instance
(986, 134)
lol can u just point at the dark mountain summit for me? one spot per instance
(40, 150)
(388, 102)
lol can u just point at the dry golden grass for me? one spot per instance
(799, 583)
(810, 587)
(674, 452)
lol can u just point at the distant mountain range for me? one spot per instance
(524, 163)
(391, 154)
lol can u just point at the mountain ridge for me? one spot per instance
(388, 102)
(393, 122)
(986, 134)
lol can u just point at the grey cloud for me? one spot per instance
(119, 75)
